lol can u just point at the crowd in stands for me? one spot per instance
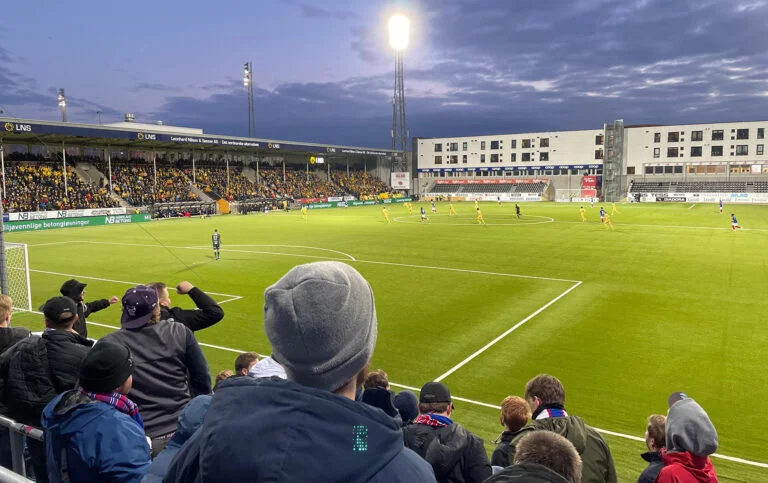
(237, 188)
(34, 183)
(138, 405)
(359, 183)
(296, 184)
(133, 180)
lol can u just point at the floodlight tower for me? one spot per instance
(399, 27)
(63, 105)
(248, 83)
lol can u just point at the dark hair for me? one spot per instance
(244, 360)
(377, 378)
(159, 286)
(547, 388)
(429, 408)
(552, 451)
(656, 430)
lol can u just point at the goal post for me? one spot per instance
(17, 270)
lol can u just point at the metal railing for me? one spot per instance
(17, 433)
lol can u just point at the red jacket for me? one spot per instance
(686, 468)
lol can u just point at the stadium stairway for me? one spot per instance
(202, 195)
(90, 174)
(250, 174)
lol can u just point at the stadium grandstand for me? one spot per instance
(140, 166)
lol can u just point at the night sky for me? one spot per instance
(323, 70)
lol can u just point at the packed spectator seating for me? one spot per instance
(213, 179)
(297, 184)
(359, 183)
(34, 183)
(133, 180)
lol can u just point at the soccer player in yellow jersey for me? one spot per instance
(476, 205)
(304, 211)
(410, 209)
(451, 211)
(614, 210)
(385, 211)
(581, 212)
(608, 223)
(480, 219)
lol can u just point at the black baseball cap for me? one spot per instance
(138, 305)
(106, 367)
(435, 392)
(72, 288)
(59, 309)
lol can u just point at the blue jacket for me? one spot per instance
(102, 443)
(265, 430)
(191, 418)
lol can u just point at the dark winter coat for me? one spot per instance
(597, 462)
(169, 371)
(11, 335)
(84, 309)
(500, 456)
(266, 430)
(456, 455)
(655, 464)
(207, 313)
(102, 443)
(38, 368)
(526, 473)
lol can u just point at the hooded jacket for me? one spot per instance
(526, 473)
(691, 438)
(265, 430)
(100, 442)
(207, 313)
(655, 464)
(500, 456)
(84, 309)
(596, 459)
(456, 455)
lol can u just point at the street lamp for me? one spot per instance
(399, 31)
(248, 83)
(99, 113)
(63, 105)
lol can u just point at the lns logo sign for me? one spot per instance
(11, 127)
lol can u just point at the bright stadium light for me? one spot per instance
(246, 75)
(399, 27)
(63, 105)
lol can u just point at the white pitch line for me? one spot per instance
(692, 206)
(506, 333)
(472, 401)
(298, 246)
(463, 270)
(232, 298)
(49, 244)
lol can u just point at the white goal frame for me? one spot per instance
(19, 287)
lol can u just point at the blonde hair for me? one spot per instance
(6, 306)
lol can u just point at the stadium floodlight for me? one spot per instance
(399, 27)
(63, 105)
(246, 75)
(248, 83)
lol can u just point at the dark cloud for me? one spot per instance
(310, 10)
(148, 86)
(5, 57)
(365, 47)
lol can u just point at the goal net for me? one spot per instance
(17, 267)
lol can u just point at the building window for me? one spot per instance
(494, 145)
(630, 170)
(697, 135)
(742, 134)
(526, 157)
(494, 158)
(599, 140)
(438, 160)
(482, 158)
(453, 159)
(761, 133)
(649, 170)
(526, 143)
(672, 152)
(656, 152)
(673, 137)
(742, 149)
(514, 157)
(544, 156)
(599, 154)
(544, 143)
(464, 146)
(464, 158)
(454, 147)
(482, 145)
(760, 148)
(717, 135)
(717, 150)
(438, 147)
(657, 137)
(696, 151)
(514, 144)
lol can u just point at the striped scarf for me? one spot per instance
(433, 420)
(119, 402)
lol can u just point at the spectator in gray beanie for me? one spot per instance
(691, 438)
(321, 321)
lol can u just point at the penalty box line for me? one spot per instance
(506, 333)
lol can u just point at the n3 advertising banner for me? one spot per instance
(35, 225)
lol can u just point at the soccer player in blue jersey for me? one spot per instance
(423, 215)
(602, 215)
(216, 240)
(735, 223)
(721, 206)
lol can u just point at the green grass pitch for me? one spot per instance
(671, 300)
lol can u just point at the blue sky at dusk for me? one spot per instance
(323, 70)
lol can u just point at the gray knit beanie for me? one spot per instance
(321, 321)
